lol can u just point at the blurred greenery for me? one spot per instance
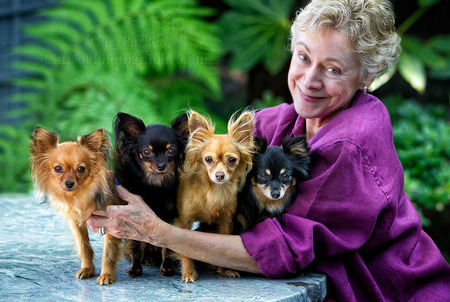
(257, 31)
(153, 59)
(420, 58)
(422, 140)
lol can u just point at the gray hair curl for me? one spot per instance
(368, 24)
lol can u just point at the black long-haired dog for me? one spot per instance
(146, 162)
(272, 185)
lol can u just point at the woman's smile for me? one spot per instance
(323, 76)
(308, 97)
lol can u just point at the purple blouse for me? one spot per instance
(352, 220)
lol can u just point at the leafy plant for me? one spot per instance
(421, 136)
(14, 154)
(268, 100)
(257, 31)
(94, 58)
(90, 59)
(417, 55)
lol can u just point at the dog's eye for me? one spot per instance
(232, 160)
(81, 169)
(147, 152)
(208, 159)
(58, 169)
(286, 178)
(171, 151)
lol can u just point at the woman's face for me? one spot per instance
(324, 74)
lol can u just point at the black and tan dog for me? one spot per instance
(146, 162)
(272, 184)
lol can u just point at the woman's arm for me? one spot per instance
(137, 221)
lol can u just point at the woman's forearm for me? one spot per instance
(217, 249)
(136, 221)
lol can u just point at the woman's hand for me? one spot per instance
(138, 222)
(132, 221)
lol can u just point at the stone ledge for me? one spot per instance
(38, 263)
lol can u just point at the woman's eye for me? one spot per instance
(334, 71)
(58, 169)
(146, 152)
(303, 57)
(208, 159)
(81, 169)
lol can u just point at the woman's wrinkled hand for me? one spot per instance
(134, 221)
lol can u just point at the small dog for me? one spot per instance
(146, 162)
(214, 171)
(76, 179)
(272, 184)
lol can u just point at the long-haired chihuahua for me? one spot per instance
(146, 162)
(75, 177)
(272, 184)
(214, 171)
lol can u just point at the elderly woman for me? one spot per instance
(352, 220)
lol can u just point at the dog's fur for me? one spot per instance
(146, 162)
(214, 171)
(272, 184)
(77, 181)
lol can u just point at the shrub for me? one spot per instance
(422, 140)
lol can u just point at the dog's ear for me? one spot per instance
(130, 125)
(43, 140)
(181, 125)
(241, 130)
(260, 144)
(98, 140)
(200, 128)
(297, 147)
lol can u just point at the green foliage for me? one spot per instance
(420, 59)
(267, 100)
(422, 140)
(94, 58)
(257, 31)
(14, 154)
(90, 59)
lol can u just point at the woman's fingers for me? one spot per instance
(125, 195)
(95, 221)
(135, 220)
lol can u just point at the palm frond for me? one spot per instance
(256, 32)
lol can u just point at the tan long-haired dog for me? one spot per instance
(214, 171)
(76, 179)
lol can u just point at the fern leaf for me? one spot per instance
(113, 56)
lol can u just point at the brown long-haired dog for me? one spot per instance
(214, 171)
(76, 179)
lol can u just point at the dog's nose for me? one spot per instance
(220, 176)
(275, 194)
(161, 167)
(69, 184)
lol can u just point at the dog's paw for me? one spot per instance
(167, 271)
(85, 273)
(106, 279)
(189, 277)
(135, 272)
(228, 273)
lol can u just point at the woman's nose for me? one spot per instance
(312, 78)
